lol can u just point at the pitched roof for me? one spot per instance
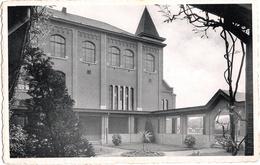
(166, 85)
(240, 96)
(146, 27)
(86, 21)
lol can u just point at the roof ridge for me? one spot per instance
(87, 21)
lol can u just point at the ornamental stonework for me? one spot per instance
(60, 30)
(89, 35)
(150, 49)
(118, 42)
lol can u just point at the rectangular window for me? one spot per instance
(132, 99)
(121, 103)
(195, 125)
(118, 125)
(126, 99)
(173, 125)
(158, 126)
(135, 125)
(176, 125)
(169, 125)
(121, 98)
(111, 96)
(116, 98)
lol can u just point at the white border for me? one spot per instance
(123, 160)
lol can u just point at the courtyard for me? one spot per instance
(167, 150)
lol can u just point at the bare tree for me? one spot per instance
(202, 22)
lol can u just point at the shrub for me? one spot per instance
(116, 139)
(149, 128)
(190, 141)
(17, 140)
(86, 148)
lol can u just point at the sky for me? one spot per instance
(193, 66)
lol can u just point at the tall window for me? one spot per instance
(173, 125)
(114, 53)
(127, 98)
(57, 44)
(121, 98)
(128, 59)
(164, 104)
(132, 98)
(149, 63)
(111, 95)
(116, 98)
(88, 52)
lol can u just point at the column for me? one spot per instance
(118, 96)
(104, 139)
(74, 65)
(123, 100)
(129, 97)
(130, 127)
(103, 66)
(113, 97)
(139, 75)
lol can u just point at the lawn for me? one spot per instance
(151, 147)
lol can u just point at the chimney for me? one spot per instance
(64, 10)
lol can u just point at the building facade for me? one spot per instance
(108, 68)
(116, 80)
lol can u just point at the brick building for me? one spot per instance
(116, 80)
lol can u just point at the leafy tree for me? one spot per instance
(53, 127)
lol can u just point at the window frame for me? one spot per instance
(203, 124)
(128, 59)
(170, 131)
(116, 55)
(86, 52)
(150, 63)
(54, 43)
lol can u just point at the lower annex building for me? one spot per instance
(116, 80)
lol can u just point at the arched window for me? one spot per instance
(114, 53)
(88, 52)
(62, 77)
(57, 44)
(149, 63)
(163, 104)
(129, 59)
(166, 104)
